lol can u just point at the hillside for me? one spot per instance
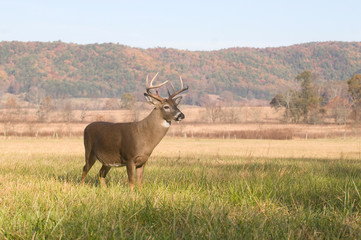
(108, 70)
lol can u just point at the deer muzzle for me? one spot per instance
(179, 116)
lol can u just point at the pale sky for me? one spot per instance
(191, 25)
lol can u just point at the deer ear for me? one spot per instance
(177, 100)
(148, 99)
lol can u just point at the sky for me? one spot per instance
(189, 25)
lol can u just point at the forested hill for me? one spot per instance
(108, 70)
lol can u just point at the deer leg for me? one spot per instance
(89, 162)
(102, 173)
(139, 171)
(130, 172)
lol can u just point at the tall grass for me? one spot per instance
(201, 197)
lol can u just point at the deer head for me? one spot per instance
(167, 106)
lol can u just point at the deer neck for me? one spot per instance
(154, 127)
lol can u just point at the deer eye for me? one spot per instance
(166, 107)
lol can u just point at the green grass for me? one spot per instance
(182, 198)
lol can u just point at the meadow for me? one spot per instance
(193, 189)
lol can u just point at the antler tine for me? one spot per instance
(175, 93)
(150, 86)
(171, 84)
(151, 82)
(180, 78)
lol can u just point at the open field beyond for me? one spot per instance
(193, 189)
(248, 123)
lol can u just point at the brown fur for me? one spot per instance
(128, 144)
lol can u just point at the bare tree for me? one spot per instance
(68, 111)
(35, 95)
(12, 111)
(45, 107)
(284, 100)
(229, 113)
(112, 104)
(213, 109)
(137, 110)
(83, 113)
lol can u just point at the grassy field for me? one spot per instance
(193, 189)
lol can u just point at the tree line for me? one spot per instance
(308, 103)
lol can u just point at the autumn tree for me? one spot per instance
(303, 105)
(128, 101)
(4, 82)
(354, 89)
(309, 100)
(336, 99)
(339, 109)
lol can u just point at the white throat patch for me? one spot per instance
(165, 124)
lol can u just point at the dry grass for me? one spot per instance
(197, 130)
(263, 131)
(172, 147)
(315, 148)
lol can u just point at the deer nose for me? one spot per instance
(179, 116)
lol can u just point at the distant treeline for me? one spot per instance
(110, 70)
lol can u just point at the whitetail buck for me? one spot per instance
(131, 144)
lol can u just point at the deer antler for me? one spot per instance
(175, 93)
(150, 86)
